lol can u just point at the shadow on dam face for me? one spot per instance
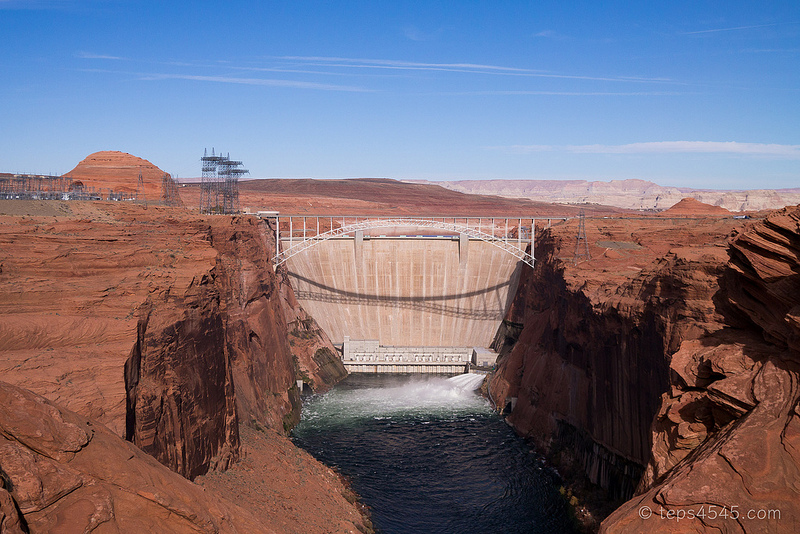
(432, 304)
(406, 292)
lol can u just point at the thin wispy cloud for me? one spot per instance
(89, 55)
(266, 82)
(44, 5)
(412, 33)
(739, 28)
(771, 50)
(399, 64)
(257, 81)
(29, 4)
(343, 66)
(572, 93)
(475, 68)
(668, 147)
(549, 34)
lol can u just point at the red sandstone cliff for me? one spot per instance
(169, 328)
(587, 351)
(668, 361)
(726, 439)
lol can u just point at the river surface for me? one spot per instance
(427, 455)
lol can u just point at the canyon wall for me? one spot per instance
(726, 439)
(665, 367)
(169, 329)
(584, 351)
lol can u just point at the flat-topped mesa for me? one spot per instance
(628, 194)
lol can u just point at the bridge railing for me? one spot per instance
(301, 232)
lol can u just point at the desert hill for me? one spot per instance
(119, 171)
(691, 207)
(629, 194)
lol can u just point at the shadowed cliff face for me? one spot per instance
(590, 361)
(218, 354)
(727, 434)
(169, 328)
(180, 394)
(673, 371)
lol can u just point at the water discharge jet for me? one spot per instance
(468, 381)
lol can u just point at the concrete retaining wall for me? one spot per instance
(406, 291)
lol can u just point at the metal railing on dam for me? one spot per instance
(297, 233)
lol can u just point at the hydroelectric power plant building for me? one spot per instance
(368, 356)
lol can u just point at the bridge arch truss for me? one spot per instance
(513, 245)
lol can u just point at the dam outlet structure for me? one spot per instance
(402, 294)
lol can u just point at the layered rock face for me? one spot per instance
(630, 194)
(666, 367)
(62, 473)
(585, 352)
(726, 439)
(168, 328)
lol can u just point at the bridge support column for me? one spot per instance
(359, 245)
(463, 245)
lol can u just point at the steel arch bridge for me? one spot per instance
(503, 243)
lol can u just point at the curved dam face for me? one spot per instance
(406, 291)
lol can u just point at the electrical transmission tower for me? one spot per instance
(140, 196)
(219, 186)
(169, 191)
(582, 246)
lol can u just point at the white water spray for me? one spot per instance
(468, 381)
(420, 397)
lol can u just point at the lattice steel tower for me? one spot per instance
(582, 246)
(219, 186)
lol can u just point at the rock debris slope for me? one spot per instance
(62, 473)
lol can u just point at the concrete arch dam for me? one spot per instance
(419, 301)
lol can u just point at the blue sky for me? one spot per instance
(698, 94)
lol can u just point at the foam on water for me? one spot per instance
(428, 454)
(420, 397)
